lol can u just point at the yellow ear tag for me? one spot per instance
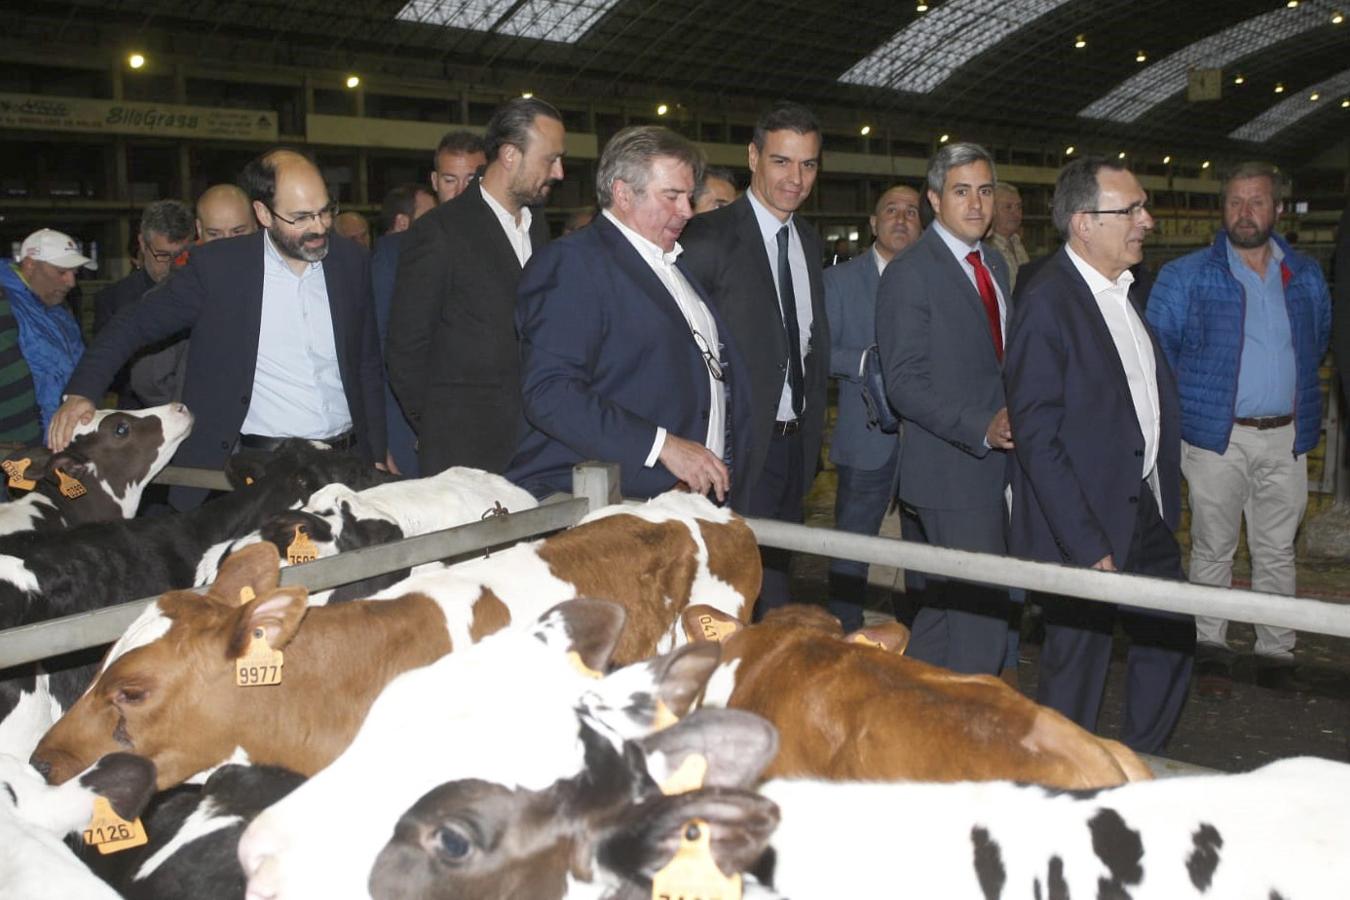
(15, 468)
(577, 663)
(302, 549)
(691, 874)
(860, 638)
(70, 485)
(260, 665)
(716, 629)
(688, 777)
(663, 718)
(111, 833)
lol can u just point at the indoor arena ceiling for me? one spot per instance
(1107, 69)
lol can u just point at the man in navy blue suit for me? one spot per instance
(624, 359)
(865, 457)
(1096, 477)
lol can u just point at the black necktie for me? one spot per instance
(796, 380)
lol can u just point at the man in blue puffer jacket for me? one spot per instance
(1244, 324)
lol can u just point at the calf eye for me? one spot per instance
(122, 429)
(128, 695)
(452, 843)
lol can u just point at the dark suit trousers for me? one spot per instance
(1078, 637)
(860, 504)
(777, 494)
(962, 626)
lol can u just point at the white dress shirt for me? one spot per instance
(297, 387)
(700, 321)
(769, 226)
(1135, 349)
(518, 233)
(960, 249)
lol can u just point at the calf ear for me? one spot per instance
(737, 747)
(706, 623)
(741, 823)
(892, 637)
(278, 614)
(45, 463)
(646, 696)
(256, 567)
(127, 781)
(588, 628)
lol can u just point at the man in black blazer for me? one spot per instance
(624, 358)
(453, 360)
(283, 340)
(941, 310)
(1096, 479)
(736, 253)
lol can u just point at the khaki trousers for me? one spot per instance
(1260, 479)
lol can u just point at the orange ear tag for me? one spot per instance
(15, 468)
(70, 485)
(688, 777)
(691, 873)
(111, 833)
(575, 659)
(717, 630)
(302, 549)
(860, 638)
(260, 665)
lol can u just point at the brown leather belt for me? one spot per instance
(1266, 423)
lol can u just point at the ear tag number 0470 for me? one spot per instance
(111, 833)
(260, 665)
(691, 873)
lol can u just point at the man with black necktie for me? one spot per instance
(761, 264)
(941, 310)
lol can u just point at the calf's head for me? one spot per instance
(177, 658)
(126, 781)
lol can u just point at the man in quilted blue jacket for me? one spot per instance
(1244, 324)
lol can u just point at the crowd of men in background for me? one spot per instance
(686, 330)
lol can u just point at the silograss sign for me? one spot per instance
(35, 112)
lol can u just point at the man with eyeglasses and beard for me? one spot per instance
(1245, 323)
(282, 332)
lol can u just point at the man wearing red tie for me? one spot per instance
(942, 307)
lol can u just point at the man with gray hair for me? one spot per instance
(624, 359)
(1244, 324)
(1097, 482)
(167, 230)
(941, 310)
(1006, 231)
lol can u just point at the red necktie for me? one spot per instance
(990, 298)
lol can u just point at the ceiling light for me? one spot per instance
(1314, 97)
(136, 60)
(353, 81)
(922, 7)
(1292, 108)
(1279, 87)
(1205, 164)
(1140, 57)
(662, 109)
(1292, 3)
(1080, 42)
(1238, 79)
(1120, 155)
(1167, 160)
(1345, 104)
(944, 139)
(1337, 18)
(527, 94)
(1068, 151)
(865, 130)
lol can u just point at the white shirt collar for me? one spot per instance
(769, 226)
(642, 245)
(879, 260)
(960, 249)
(1096, 281)
(504, 214)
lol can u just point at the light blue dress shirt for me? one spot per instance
(1266, 376)
(769, 226)
(297, 387)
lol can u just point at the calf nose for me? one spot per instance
(179, 408)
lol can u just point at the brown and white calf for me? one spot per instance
(112, 457)
(846, 710)
(167, 687)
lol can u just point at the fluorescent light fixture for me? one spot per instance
(1205, 164)
(1141, 57)
(1279, 87)
(545, 20)
(527, 95)
(930, 49)
(1238, 78)
(1290, 110)
(353, 81)
(1146, 89)
(865, 130)
(1167, 160)
(1068, 151)
(1314, 96)
(944, 139)
(662, 109)
(1080, 42)
(136, 60)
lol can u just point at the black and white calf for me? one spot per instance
(113, 457)
(35, 817)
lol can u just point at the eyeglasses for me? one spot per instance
(164, 256)
(1134, 211)
(711, 361)
(302, 219)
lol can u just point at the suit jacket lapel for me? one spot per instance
(1106, 345)
(338, 303)
(956, 275)
(637, 269)
(492, 236)
(752, 243)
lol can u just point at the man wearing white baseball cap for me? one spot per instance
(49, 337)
